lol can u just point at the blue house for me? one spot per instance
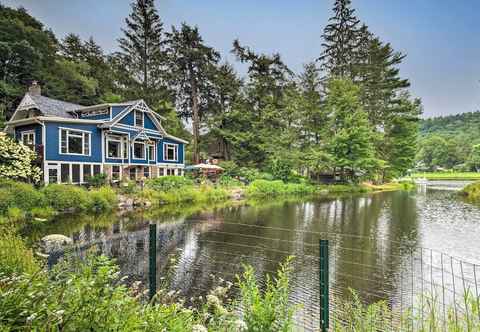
(73, 142)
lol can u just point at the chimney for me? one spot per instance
(35, 89)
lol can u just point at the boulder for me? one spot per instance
(54, 242)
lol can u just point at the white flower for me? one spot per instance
(199, 328)
(240, 325)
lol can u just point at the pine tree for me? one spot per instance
(193, 66)
(71, 47)
(220, 121)
(341, 41)
(142, 56)
(268, 78)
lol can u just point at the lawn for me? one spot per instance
(448, 175)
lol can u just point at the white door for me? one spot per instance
(52, 173)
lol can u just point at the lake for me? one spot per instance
(387, 245)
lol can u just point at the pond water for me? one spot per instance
(375, 241)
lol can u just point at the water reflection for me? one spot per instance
(374, 241)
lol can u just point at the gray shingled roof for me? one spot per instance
(54, 107)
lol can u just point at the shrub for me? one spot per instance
(19, 195)
(128, 188)
(228, 181)
(167, 183)
(267, 311)
(14, 255)
(102, 199)
(276, 188)
(97, 180)
(63, 197)
(472, 191)
(42, 212)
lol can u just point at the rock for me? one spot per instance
(237, 194)
(54, 242)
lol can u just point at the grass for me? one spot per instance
(447, 175)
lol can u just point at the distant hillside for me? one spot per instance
(448, 142)
(452, 125)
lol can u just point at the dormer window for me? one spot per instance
(138, 118)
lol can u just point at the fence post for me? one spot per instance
(152, 260)
(324, 304)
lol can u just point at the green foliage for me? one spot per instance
(102, 199)
(351, 144)
(229, 182)
(16, 161)
(472, 191)
(267, 310)
(66, 197)
(97, 180)
(266, 188)
(15, 257)
(185, 194)
(167, 183)
(281, 169)
(19, 195)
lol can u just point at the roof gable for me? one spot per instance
(141, 106)
(47, 106)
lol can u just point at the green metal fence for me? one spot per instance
(420, 289)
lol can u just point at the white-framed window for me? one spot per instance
(139, 150)
(170, 171)
(74, 141)
(116, 172)
(146, 172)
(138, 118)
(28, 137)
(117, 147)
(170, 152)
(151, 152)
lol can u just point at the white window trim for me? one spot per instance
(83, 142)
(154, 152)
(120, 172)
(135, 118)
(144, 151)
(165, 145)
(28, 132)
(122, 142)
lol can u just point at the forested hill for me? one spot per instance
(464, 123)
(450, 142)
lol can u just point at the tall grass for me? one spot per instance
(179, 190)
(266, 188)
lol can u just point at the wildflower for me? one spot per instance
(213, 300)
(240, 325)
(199, 328)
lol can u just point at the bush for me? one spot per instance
(228, 181)
(276, 188)
(472, 191)
(267, 311)
(167, 183)
(97, 180)
(102, 199)
(63, 197)
(14, 255)
(19, 195)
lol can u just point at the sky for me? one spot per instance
(440, 37)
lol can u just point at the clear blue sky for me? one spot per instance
(441, 37)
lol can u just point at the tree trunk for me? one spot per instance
(195, 117)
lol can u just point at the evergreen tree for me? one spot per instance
(142, 56)
(221, 122)
(193, 66)
(72, 48)
(341, 39)
(350, 146)
(268, 79)
(401, 138)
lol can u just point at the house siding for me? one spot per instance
(53, 142)
(160, 155)
(36, 127)
(115, 110)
